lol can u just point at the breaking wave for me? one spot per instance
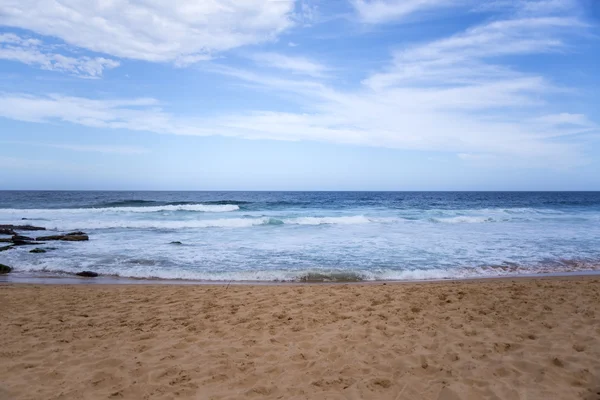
(153, 270)
(205, 223)
(145, 209)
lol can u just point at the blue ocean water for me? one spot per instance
(275, 236)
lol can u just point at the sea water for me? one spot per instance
(295, 236)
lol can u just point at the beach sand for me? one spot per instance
(488, 339)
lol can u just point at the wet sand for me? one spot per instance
(485, 339)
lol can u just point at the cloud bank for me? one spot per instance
(177, 31)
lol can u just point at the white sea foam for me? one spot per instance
(463, 220)
(208, 208)
(260, 275)
(349, 220)
(97, 223)
(155, 224)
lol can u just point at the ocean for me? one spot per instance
(304, 236)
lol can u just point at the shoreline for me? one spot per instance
(55, 279)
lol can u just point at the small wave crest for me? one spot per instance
(314, 277)
(215, 208)
(152, 269)
(349, 220)
(147, 203)
(463, 220)
(204, 223)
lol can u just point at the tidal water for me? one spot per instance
(295, 236)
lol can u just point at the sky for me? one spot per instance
(300, 94)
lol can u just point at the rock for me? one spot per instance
(25, 243)
(22, 227)
(37, 250)
(4, 248)
(5, 240)
(52, 237)
(5, 269)
(75, 238)
(69, 237)
(176, 242)
(7, 231)
(19, 240)
(87, 274)
(19, 237)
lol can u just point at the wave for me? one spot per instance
(350, 220)
(236, 202)
(137, 203)
(206, 223)
(463, 220)
(123, 203)
(146, 209)
(154, 270)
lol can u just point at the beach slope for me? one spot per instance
(488, 339)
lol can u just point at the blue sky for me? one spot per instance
(300, 95)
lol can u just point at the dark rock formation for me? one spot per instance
(5, 240)
(37, 250)
(75, 238)
(87, 274)
(19, 240)
(4, 248)
(7, 231)
(176, 242)
(22, 228)
(5, 269)
(52, 237)
(19, 237)
(69, 237)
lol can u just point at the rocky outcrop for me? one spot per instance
(75, 238)
(176, 242)
(13, 228)
(19, 240)
(51, 237)
(5, 269)
(69, 237)
(87, 274)
(4, 248)
(19, 237)
(37, 250)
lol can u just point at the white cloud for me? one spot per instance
(33, 52)
(463, 58)
(294, 64)
(153, 30)
(565, 119)
(391, 119)
(381, 11)
(385, 11)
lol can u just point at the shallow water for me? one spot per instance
(274, 236)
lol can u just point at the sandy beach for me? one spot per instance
(487, 339)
